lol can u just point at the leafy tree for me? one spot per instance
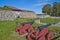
(56, 8)
(46, 9)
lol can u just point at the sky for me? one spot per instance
(33, 5)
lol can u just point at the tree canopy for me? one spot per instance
(52, 10)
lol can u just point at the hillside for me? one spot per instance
(2, 8)
(9, 8)
(12, 8)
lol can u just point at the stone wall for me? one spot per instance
(12, 15)
(26, 14)
(42, 16)
(8, 15)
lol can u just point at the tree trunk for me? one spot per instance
(46, 13)
(54, 15)
(57, 13)
(50, 13)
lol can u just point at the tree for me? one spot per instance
(56, 8)
(47, 9)
(59, 10)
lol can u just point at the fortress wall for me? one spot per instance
(12, 15)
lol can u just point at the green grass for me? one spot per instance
(5, 9)
(7, 29)
(49, 20)
(55, 29)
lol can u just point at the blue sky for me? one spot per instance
(33, 5)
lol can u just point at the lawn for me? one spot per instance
(7, 29)
(49, 20)
(55, 29)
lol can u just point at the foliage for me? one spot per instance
(46, 9)
(52, 10)
(56, 8)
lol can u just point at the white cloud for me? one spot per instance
(41, 2)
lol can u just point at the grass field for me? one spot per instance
(49, 20)
(55, 29)
(7, 29)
